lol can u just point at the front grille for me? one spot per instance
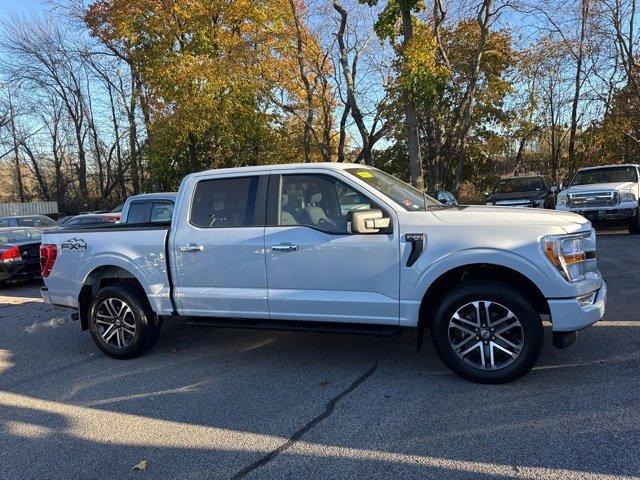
(593, 199)
(513, 203)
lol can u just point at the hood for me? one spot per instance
(507, 216)
(600, 186)
(534, 194)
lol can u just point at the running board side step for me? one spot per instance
(297, 326)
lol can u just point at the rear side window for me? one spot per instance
(161, 212)
(225, 202)
(139, 212)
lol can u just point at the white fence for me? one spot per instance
(30, 208)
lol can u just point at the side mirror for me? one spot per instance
(554, 189)
(487, 194)
(367, 221)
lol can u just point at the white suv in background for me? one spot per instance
(604, 193)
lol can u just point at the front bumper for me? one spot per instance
(567, 315)
(622, 211)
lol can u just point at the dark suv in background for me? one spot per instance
(532, 191)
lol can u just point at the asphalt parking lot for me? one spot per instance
(208, 403)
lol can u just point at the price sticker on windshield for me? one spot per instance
(364, 175)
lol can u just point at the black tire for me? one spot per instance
(634, 223)
(498, 295)
(139, 314)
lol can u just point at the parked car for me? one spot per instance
(271, 247)
(64, 220)
(19, 254)
(533, 191)
(605, 193)
(444, 197)
(149, 208)
(56, 216)
(38, 221)
(92, 219)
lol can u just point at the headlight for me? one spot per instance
(627, 196)
(561, 200)
(566, 253)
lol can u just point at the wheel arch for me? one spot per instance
(99, 278)
(476, 271)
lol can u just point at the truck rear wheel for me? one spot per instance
(634, 223)
(121, 322)
(487, 332)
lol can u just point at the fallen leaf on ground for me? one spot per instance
(141, 466)
(324, 383)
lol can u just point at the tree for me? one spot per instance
(394, 11)
(40, 57)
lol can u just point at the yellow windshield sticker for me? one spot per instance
(364, 175)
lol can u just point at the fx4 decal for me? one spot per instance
(74, 244)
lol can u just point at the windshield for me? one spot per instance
(605, 175)
(521, 184)
(403, 194)
(19, 235)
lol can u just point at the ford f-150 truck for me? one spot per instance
(334, 247)
(604, 193)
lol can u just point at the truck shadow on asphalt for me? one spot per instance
(209, 403)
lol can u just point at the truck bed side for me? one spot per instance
(89, 256)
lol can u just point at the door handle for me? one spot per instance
(284, 247)
(192, 247)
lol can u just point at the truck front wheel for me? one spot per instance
(487, 332)
(121, 322)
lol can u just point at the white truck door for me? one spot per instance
(218, 248)
(316, 270)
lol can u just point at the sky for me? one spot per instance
(20, 6)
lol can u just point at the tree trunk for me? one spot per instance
(578, 86)
(411, 117)
(467, 103)
(81, 166)
(193, 158)
(342, 139)
(14, 136)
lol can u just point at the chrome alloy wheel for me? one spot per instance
(486, 335)
(115, 322)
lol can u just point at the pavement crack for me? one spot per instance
(291, 441)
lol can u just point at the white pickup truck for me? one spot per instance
(334, 247)
(604, 193)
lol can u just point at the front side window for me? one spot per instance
(319, 201)
(225, 202)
